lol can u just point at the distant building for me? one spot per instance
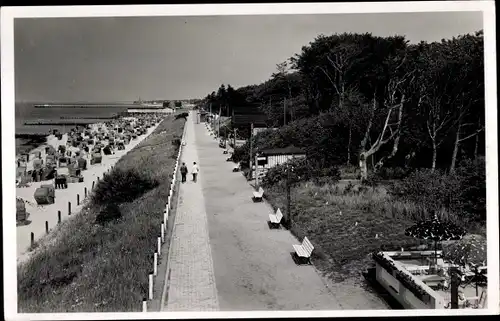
(150, 110)
(268, 158)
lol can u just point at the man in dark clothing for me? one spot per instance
(184, 171)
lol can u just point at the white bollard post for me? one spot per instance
(159, 244)
(151, 286)
(155, 264)
(163, 230)
(144, 305)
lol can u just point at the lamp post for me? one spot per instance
(289, 169)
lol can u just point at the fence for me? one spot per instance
(79, 200)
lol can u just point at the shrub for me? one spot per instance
(303, 170)
(110, 213)
(472, 193)
(391, 173)
(241, 153)
(121, 186)
(434, 188)
(182, 115)
(176, 142)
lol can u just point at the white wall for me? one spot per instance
(280, 159)
(404, 295)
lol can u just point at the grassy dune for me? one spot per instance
(86, 267)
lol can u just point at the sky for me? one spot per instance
(124, 58)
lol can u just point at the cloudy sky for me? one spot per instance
(122, 59)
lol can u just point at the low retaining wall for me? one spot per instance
(397, 281)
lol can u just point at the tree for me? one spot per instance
(434, 101)
(468, 89)
(389, 98)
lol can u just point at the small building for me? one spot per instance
(268, 158)
(203, 116)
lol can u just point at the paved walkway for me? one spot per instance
(192, 282)
(253, 266)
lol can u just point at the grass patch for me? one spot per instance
(327, 214)
(91, 267)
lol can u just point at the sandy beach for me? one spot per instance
(39, 214)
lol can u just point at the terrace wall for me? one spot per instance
(402, 294)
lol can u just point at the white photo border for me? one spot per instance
(8, 14)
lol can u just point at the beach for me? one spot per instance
(40, 214)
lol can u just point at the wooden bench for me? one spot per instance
(236, 168)
(275, 219)
(304, 250)
(257, 195)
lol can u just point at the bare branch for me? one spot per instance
(471, 135)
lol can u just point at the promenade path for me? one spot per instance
(192, 282)
(252, 266)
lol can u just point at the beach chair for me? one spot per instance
(82, 163)
(45, 194)
(107, 150)
(37, 164)
(21, 214)
(257, 195)
(304, 251)
(275, 219)
(96, 158)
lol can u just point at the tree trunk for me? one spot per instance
(476, 148)
(362, 166)
(455, 150)
(395, 145)
(349, 145)
(434, 155)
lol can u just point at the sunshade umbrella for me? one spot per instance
(436, 231)
(470, 251)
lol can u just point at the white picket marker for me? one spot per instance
(163, 230)
(159, 244)
(155, 264)
(151, 286)
(144, 306)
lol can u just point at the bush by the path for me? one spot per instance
(89, 267)
(122, 186)
(303, 170)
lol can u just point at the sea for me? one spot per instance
(26, 112)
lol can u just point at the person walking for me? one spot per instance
(195, 171)
(184, 171)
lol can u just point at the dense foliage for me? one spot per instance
(392, 109)
(385, 102)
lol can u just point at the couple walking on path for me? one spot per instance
(194, 171)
